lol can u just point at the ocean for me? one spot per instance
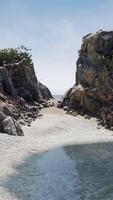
(58, 97)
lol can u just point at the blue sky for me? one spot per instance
(53, 29)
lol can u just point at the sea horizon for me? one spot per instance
(57, 96)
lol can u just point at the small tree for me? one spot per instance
(15, 56)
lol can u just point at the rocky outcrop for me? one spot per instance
(95, 62)
(17, 75)
(20, 92)
(10, 126)
(26, 84)
(93, 90)
(45, 92)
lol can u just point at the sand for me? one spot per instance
(54, 129)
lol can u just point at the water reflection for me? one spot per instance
(94, 164)
(78, 172)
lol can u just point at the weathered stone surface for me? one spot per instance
(9, 110)
(95, 62)
(10, 126)
(93, 90)
(20, 91)
(17, 75)
(26, 84)
(2, 117)
(45, 92)
(6, 83)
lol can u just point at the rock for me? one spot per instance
(59, 105)
(31, 115)
(20, 91)
(11, 127)
(20, 101)
(74, 98)
(34, 109)
(45, 92)
(87, 117)
(18, 78)
(98, 127)
(91, 104)
(36, 104)
(6, 84)
(22, 122)
(3, 97)
(2, 117)
(66, 108)
(10, 110)
(41, 106)
(40, 115)
(92, 93)
(52, 104)
(45, 104)
(74, 114)
(95, 59)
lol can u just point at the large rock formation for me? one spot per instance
(19, 72)
(95, 62)
(93, 91)
(20, 91)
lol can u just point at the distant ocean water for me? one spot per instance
(58, 97)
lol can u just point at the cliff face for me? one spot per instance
(93, 90)
(95, 62)
(20, 71)
(20, 91)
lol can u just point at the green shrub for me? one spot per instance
(20, 56)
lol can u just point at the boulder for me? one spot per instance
(34, 109)
(66, 108)
(10, 126)
(45, 92)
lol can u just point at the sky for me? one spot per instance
(53, 29)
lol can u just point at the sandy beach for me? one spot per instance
(18, 155)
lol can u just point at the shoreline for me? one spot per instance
(50, 132)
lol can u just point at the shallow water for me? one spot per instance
(77, 172)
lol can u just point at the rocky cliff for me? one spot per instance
(20, 92)
(93, 90)
(20, 70)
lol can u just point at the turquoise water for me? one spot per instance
(72, 172)
(81, 172)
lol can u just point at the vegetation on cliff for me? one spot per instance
(15, 56)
